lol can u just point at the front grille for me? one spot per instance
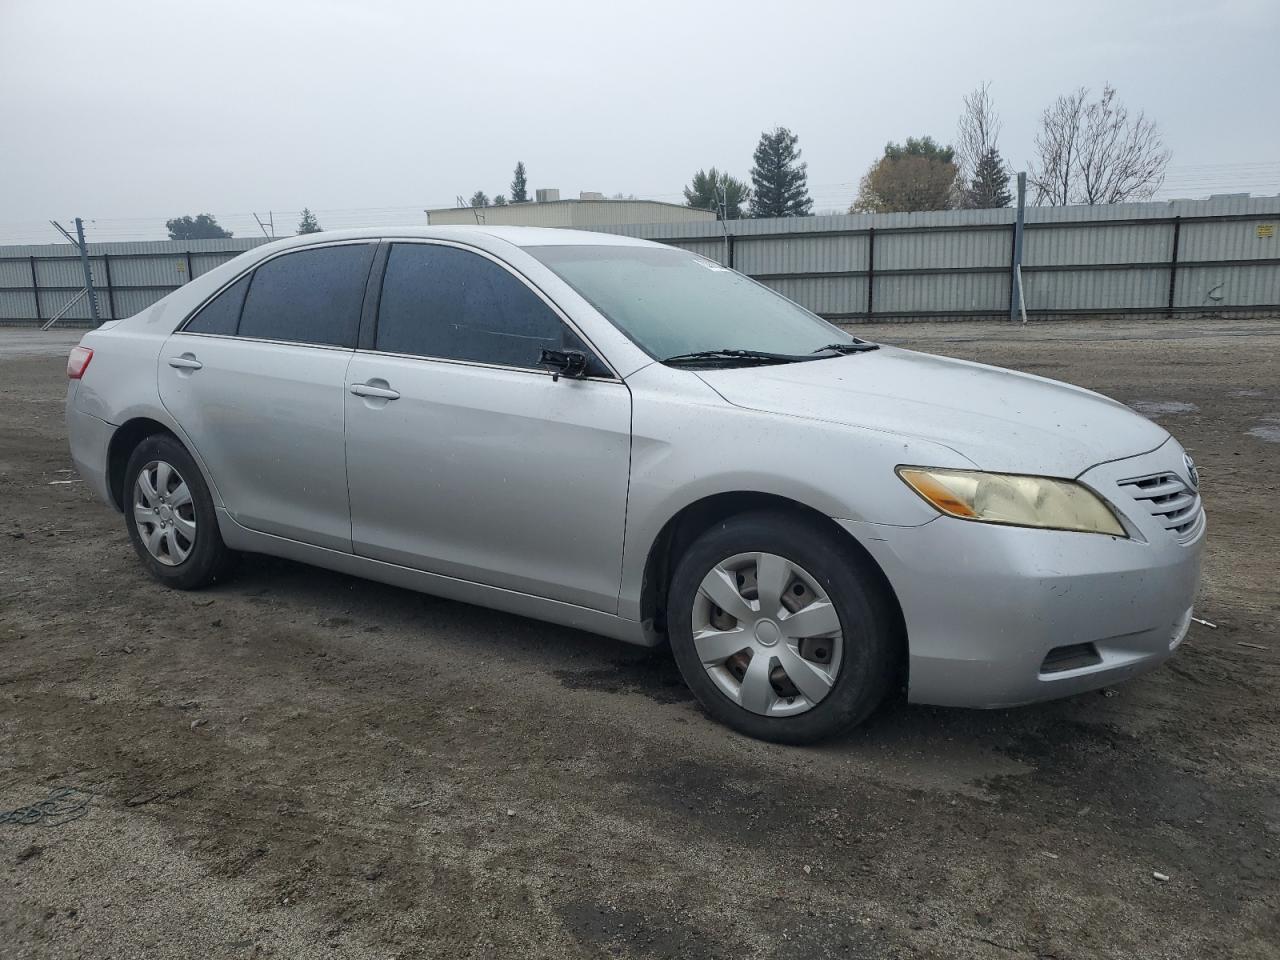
(1168, 498)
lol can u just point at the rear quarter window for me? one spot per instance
(221, 315)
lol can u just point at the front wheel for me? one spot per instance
(779, 629)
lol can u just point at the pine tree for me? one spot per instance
(519, 186)
(713, 190)
(479, 199)
(990, 184)
(500, 201)
(308, 223)
(780, 185)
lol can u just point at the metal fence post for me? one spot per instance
(35, 288)
(732, 243)
(1173, 264)
(871, 271)
(1015, 265)
(88, 273)
(111, 294)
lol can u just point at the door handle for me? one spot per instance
(185, 362)
(373, 390)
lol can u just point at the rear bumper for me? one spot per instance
(984, 605)
(90, 439)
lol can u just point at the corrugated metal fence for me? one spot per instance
(1150, 258)
(1204, 256)
(36, 280)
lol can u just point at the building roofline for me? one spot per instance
(552, 203)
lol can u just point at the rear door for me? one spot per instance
(256, 379)
(464, 457)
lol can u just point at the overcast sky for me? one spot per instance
(127, 113)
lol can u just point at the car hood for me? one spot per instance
(999, 419)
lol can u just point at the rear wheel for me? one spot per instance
(170, 516)
(779, 630)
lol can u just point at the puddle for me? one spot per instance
(1268, 431)
(1246, 392)
(1154, 408)
(654, 676)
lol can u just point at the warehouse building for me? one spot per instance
(588, 211)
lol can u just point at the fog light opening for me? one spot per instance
(1073, 656)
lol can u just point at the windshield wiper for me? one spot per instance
(860, 346)
(751, 356)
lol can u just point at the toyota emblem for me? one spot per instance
(1192, 473)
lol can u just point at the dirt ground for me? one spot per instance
(300, 764)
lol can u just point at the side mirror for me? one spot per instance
(570, 363)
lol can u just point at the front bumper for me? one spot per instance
(985, 605)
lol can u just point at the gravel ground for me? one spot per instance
(300, 764)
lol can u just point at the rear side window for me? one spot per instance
(440, 301)
(222, 313)
(312, 296)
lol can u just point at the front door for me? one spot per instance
(464, 457)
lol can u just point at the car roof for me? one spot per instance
(517, 236)
(556, 236)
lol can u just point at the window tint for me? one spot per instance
(444, 302)
(312, 296)
(222, 313)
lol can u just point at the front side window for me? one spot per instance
(221, 315)
(672, 302)
(443, 302)
(311, 296)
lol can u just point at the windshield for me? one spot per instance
(673, 302)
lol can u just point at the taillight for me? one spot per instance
(78, 362)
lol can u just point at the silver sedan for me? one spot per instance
(634, 440)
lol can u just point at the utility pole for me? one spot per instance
(271, 220)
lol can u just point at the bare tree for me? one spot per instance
(1094, 152)
(1057, 143)
(1120, 159)
(978, 132)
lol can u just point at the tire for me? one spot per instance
(172, 510)
(862, 652)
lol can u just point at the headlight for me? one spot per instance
(1012, 499)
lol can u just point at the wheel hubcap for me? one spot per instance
(767, 634)
(164, 513)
